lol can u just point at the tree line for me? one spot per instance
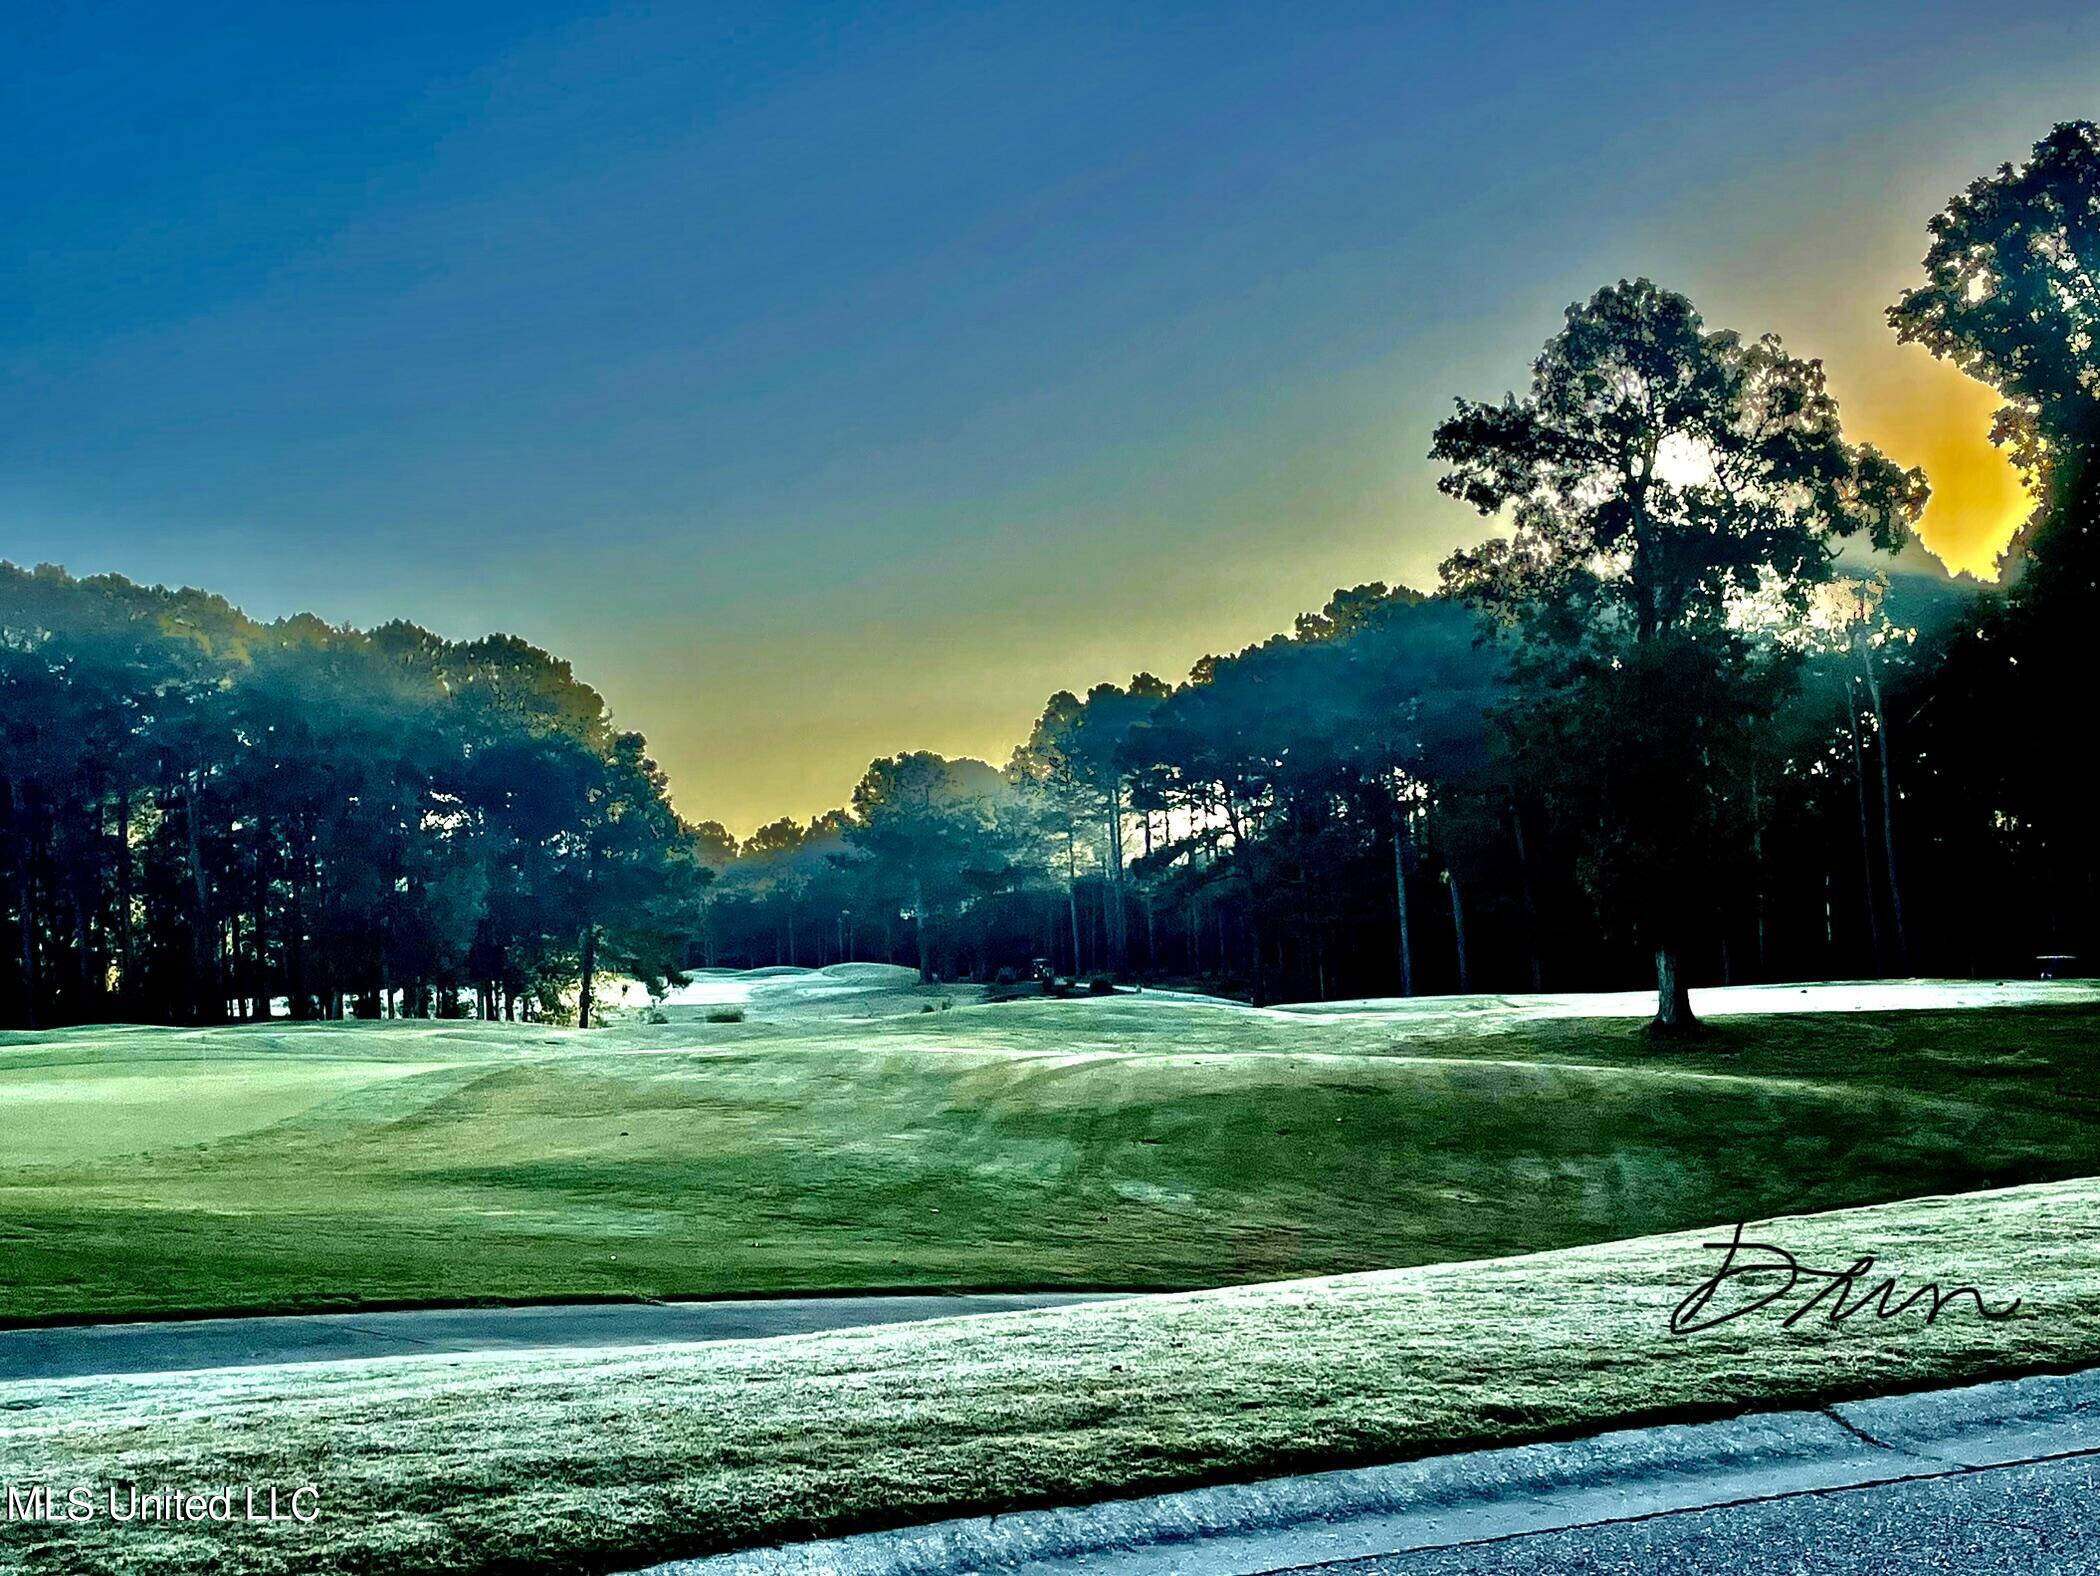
(206, 816)
(1677, 720)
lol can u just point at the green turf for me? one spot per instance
(474, 1466)
(1123, 1142)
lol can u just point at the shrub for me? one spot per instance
(725, 1015)
(1100, 985)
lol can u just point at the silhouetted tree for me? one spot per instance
(2012, 297)
(1662, 478)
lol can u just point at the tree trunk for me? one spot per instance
(1866, 836)
(206, 987)
(1888, 812)
(1757, 868)
(29, 1020)
(1072, 896)
(918, 910)
(302, 1002)
(87, 898)
(589, 967)
(1829, 916)
(127, 991)
(1673, 998)
(237, 971)
(1458, 929)
(1118, 930)
(1407, 946)
(259, 932)
(1530, 897)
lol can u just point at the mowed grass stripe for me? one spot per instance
(1027, 1145)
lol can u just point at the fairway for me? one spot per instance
(1137, 1141)
(70, 1112)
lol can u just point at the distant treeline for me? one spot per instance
(1670, 724)
(1340, 812)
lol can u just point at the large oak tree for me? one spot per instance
(1667, 487)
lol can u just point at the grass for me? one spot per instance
(477, 1465)
(1127, 1141)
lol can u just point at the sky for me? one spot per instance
(825, 381)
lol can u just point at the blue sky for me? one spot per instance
(828, 381)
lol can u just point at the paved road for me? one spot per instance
(76, 1351)
(2041, 1519)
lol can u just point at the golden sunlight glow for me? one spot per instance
(1923, 412)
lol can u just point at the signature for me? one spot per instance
(1832, 1286)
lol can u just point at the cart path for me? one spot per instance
(84, 1350)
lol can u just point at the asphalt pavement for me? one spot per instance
(177, 1345)
(2038, 1519)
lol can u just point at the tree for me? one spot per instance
(1049, 773)
(1104, 744)
(714, 850)
(773, 869)
(619, 866)
(2012, 297)
(1078, 764)
(1414, 694)
(1663, 482)
(925, 825)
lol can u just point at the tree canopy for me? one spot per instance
(1674, 493)
(207, 815)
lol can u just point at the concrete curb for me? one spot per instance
(1987, 1425)
(1243, 1529)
